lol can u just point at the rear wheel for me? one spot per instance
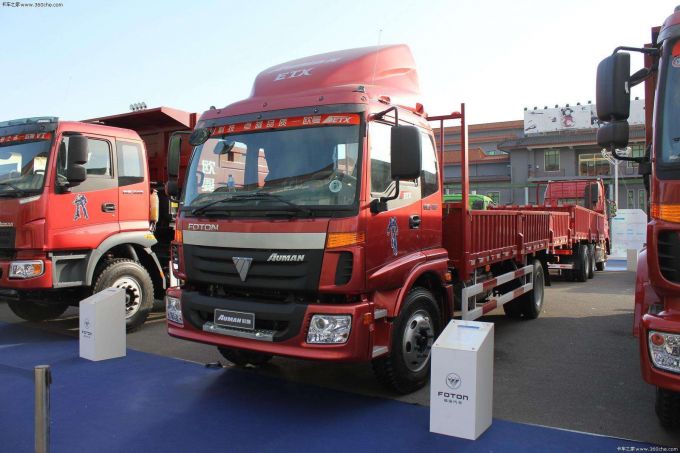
(600, 266)
(581, 263)
(136, 281)
(243, 358)
(407, 367)
(668, 408)
(531, 303)
(591, 260)
(34, 311)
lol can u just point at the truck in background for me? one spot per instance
(333, 242)
(657, 288)
(81, 210)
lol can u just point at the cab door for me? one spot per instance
(431, 222)
(392, 236)
(83, 215)
(133, 185)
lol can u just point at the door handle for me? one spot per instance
(414, 221)
(108, 207)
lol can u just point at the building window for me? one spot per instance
(592, 165)
(637, 150)
(642, 199)
(630, 202)
(551, 160)
(495, 196)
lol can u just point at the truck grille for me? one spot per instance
(268, 269)
(669, 255)
(7, 241)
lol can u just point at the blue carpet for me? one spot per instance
(149, 403)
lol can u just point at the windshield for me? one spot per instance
(23, 160)
(670, 129)
(294, 170)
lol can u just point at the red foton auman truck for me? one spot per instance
(331, 241)
(657, 288)
(588, 241)
(79, 210)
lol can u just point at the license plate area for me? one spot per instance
(234, 319)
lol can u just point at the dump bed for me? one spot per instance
(499, 234)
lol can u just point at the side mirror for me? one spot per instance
(77, 158)
(174, 150)
(406, 152)
(614, 134)
(613, 90)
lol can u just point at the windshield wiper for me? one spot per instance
(16, 188)
(252, 196)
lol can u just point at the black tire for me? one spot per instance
(407, 367)
(531, 303)
(34, 311)
(591, 260)
(513, 309)
(602, 265)
(136, 281)
(581, 263)
(668, 408)
(240, 357)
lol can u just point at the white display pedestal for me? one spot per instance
(461, 385)
(102, 325)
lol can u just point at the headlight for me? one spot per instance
(26, 269)
(173, 310)
(329, 329)
(665, 350)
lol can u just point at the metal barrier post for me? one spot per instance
(43, 379)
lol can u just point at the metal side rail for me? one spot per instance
(494, 302)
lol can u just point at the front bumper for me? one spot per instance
(663, 322)
(43, 281)
(290, 324)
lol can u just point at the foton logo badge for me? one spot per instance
(286, 258)
(242, 266)
(203, 227)
(453, 381)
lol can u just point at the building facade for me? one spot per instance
(512, 161)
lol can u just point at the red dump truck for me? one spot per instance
(657, 288)
(588, 241)
(331, 241)
(79, 210)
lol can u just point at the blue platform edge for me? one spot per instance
(149, 403)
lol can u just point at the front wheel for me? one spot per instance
(591, 260)
(34, 311)
(600, 266)
(407, 367)
(668, 408)
(136, 281)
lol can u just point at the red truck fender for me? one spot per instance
(644, 293)
(432, 276)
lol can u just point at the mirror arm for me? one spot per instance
(654, 51)
(380, 115)
(380, 204)
(617, 156)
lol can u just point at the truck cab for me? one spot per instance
(77, 214)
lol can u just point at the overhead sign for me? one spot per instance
(574, 118)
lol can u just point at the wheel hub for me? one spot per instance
(418, 339)
(133, 294)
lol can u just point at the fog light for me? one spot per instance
(26, 269)
(665, 350)
(173, 310)
(329, 329)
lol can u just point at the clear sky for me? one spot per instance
(95, 58)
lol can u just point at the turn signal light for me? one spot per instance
(178, 236)
(344, 239)
(667, 212)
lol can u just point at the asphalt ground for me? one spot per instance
(576, 367)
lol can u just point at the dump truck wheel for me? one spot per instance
(407, 367)
(591, 261)
(668, 408)
(531, 303)
(34, 311)
(602, 265)
(239, 357)
(136, 281)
